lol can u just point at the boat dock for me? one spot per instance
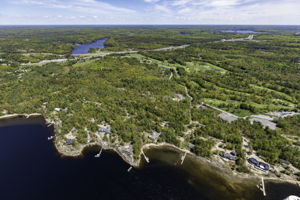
(183, 158)
(48, 125)
(98, 154)
(261, 186)
(146, 158)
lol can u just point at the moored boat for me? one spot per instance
(292, 197)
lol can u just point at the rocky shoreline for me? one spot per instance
(221, 168)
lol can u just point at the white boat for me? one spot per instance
(50, 138)
(292, 197)
(129, 169)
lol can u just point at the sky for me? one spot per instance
(37, 12)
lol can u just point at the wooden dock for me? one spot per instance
(98, 154)
(146, 158)
(261, 186)
(183, 158)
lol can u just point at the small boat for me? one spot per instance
(129, 169)
(292, 197)
(50, 138)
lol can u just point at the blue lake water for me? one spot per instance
(239, 31)
(31, 169)
(84, 48)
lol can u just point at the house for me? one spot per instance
(105, 130)
(259, 165)
(264, 166)
(191, 146)
(70, 141)
(227, 156)
(154, 135)
(233, 153)
(253, 161)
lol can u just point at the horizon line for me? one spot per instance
(149, 24)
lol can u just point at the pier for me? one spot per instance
(98, 154)
(262, 186)
(183, 158)
(146, 158)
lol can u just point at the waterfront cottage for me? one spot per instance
(264, 166)
(154, 135)
(70, 141)
(253, 161)
(227, 156)
(259, 165)
(105, 130)
(233, 153)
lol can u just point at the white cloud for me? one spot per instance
(181, 2)
(162, 8)
(89, 6)
(184, 10)
(218, 3)
(151, 1)
(231, 11)
(156, 12)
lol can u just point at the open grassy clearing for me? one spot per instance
(203, 66)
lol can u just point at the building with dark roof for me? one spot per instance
(105, 130)
(227, 156)
(253, 161)
(233, 153)
(70, 141)
(259, 165)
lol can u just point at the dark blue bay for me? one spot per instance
(31, 169)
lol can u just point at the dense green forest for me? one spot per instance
(160, 90)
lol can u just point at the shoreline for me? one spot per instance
(222, 169)
(22, 119)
